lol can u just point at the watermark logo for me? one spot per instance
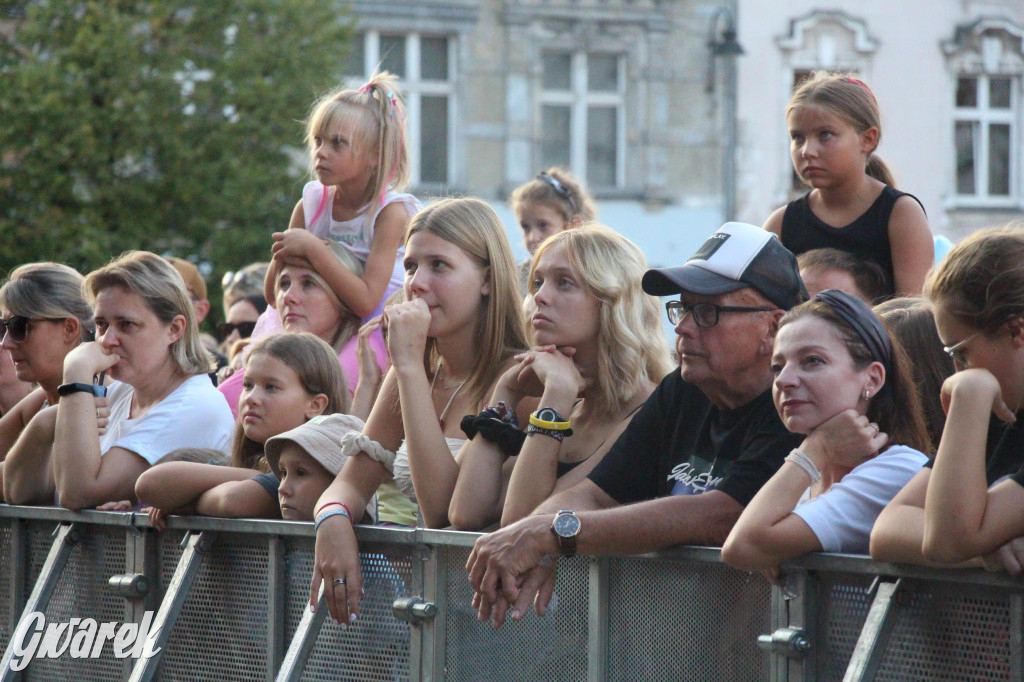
(80, 638)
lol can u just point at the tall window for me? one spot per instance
(425, 65)
(986, 137)
(582, 116)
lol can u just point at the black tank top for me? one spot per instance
(866, 237)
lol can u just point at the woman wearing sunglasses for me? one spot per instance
(241, 320)
(161, 398)
(43, 315)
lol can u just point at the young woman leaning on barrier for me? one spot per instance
(969, 502)
(449, 343)
(161, 399)
(599, 351)
(843, 381)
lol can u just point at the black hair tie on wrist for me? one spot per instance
(508, 438)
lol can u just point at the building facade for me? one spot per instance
(947, 74)
(635, 97)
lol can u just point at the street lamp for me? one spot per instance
(724, 44)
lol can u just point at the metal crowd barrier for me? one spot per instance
(226, 600)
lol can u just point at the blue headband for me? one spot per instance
(858, 315)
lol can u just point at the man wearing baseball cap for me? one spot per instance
(702, 445)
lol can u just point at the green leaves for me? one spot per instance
(157, 124)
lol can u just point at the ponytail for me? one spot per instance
(879, 170)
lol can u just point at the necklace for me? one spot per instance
(440, 419)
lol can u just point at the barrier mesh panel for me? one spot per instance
(943, 635)
(221, 632)
(376, 648)
(669, 620)
(81, 593)
(549, 648)
(843, 606)
(6, 607)
(940, 634)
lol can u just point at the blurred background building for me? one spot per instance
(643, 99)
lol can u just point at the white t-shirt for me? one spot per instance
(842, 517)
(194, 415)
(357, 233)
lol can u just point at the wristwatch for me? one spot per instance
(78, 387)
(566, 528)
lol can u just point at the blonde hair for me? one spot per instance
(981, 281)
(474, 227)
(630, 342)
(349, 324)
(574, 201)
(849, 98)
(378, 111)
(163, 291)
(48, 290)
(316, 365)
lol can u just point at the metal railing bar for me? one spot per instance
(838, 563)
(863, 565)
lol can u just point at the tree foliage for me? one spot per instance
(167, 125)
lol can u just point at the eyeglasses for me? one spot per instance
(560, 189)
(705, 314)
(18, 326)
(245, 329)
(956, 353)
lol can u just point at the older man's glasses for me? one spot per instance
(18, 326)
(705, 314)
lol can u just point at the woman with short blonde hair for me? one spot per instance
(161, 399)
(598, 353)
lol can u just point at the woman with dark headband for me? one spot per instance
(550, 203)
(43, 315)
(844, 382)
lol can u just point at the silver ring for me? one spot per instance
(339, 581)
(873, 424)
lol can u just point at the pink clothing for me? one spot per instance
(348, 358)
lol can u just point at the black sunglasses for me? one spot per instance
(245, 329)
(17, 326)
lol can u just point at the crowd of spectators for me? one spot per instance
(391, 364)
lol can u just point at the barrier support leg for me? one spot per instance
(303, 642)
(66, 537)
(874, 636)
(196, 547)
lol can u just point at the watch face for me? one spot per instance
(566, 525)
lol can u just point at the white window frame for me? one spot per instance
(415, 88)
(579, 99)
(984, 116)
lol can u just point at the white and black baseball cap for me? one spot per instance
(738, 255)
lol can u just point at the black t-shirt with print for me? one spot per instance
(679, 443)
